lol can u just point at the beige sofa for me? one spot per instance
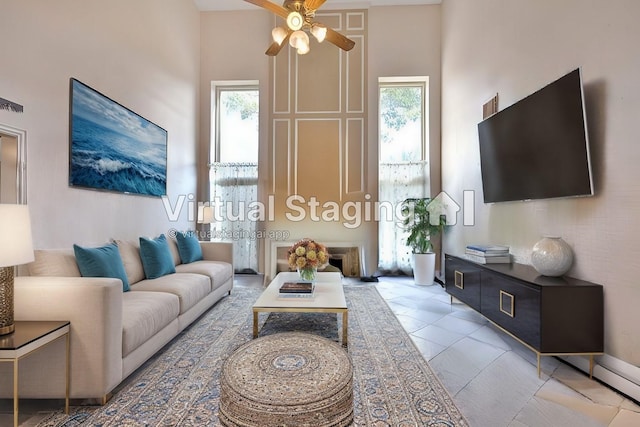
(112, 332)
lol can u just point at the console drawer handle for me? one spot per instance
(507, 303)
(459, 279)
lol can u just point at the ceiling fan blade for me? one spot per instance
(314, 4)
(272, 7)
(275, 48)
(339, 40)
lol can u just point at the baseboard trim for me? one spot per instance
(613, 372)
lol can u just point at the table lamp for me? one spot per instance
(16, 248)
(205, 215)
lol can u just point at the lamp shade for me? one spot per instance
(16, 245)
(319, 31)
(299, 39)
(279, 34)
(205, 215)
(303, 48)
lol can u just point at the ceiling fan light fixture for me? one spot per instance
(319, 31)
(303, 49)
(295, 20)
(299, 39)
(279, 34)
(299, 17)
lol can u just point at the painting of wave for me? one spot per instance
(112, 148)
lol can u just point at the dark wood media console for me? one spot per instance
(553, 316)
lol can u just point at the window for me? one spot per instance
(402, 124)
(403, 162)
(236, 123)
(234, 168)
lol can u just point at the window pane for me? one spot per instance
(403, 170)
(238, 126)
(401, 124)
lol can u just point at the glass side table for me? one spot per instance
(28, 337)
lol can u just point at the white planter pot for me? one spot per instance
(424, 268)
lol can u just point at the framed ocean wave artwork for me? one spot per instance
(111, 148)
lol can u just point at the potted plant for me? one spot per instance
(423, 219)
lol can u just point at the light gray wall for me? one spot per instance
(514, 48)
(142, 56)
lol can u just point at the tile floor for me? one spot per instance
(491, 377)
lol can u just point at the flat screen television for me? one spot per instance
(538, 148)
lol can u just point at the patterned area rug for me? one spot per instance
(179, 386)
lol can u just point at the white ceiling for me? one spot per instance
(207, 5)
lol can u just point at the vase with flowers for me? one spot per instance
(306, 256)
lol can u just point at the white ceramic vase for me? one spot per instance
(552, 256)
(424, 268)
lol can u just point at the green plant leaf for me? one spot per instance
(417, 221)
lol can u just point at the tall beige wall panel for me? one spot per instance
(320, 96)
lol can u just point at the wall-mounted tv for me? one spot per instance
(538, 148)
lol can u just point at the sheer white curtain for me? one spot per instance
(397, 182)
(234, 186)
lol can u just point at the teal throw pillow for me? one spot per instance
(104, 261)
(156, 257)
(188, 247)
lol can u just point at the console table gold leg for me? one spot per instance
(15, 393)
(345, 327)
(538, 356)
(255, 324)
(591, 366)
(67, 368)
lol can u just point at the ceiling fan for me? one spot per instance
(299, 15)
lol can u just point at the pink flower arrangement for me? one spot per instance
(306, 254)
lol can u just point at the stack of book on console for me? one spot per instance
(488, 254)
(297, 289)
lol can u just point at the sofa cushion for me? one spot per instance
(156, 257)
(103, 261)
(188, 247)
(217, 271)
(190, 288)
(130, 254)
(143, 315)
(54, 262)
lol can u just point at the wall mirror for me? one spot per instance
(13, 165)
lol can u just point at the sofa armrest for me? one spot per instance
(94, 308)
(217, 251)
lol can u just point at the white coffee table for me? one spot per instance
(328, 297)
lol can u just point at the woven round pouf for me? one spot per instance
(287, 379)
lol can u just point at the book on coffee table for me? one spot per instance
(296, 288)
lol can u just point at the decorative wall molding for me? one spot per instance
(318, 118)
(355, 156)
